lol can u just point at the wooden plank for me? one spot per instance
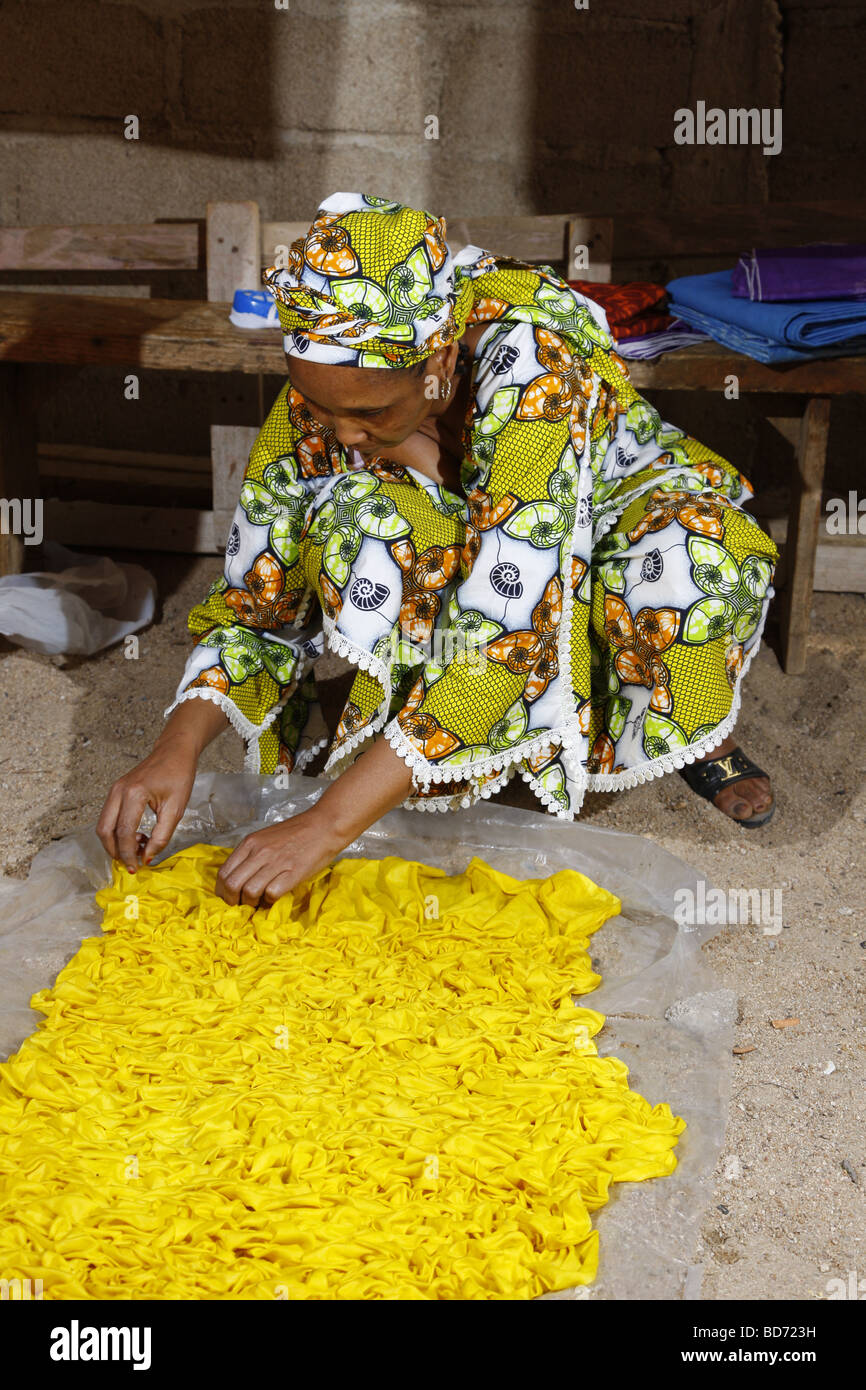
(713, 229)
(276, 235)
(840, 563)
(524, 238)
(233, 249)
(787, 426)
(19, 479)
(234, 254)
(704, 367)
(112, 291)
(803, 534)
(134, 459)
(92, 246)
(186, 335)
(230, 449)
(164, 485)
(163, 334)
(116, 526)
(596, 234)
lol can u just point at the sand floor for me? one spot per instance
(789, 1209)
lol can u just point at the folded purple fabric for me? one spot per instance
(822, 270)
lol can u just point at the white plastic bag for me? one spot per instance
(79, 605)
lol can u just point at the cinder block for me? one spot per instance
(307, 171)
(85, 60)
(823, 82)
(480, 184)
(99, 178)
(227, 69)
(618, 82)
(102, 178)
(606, 180)
(717, 174)
(489, 90)
(12, 165)
(795, 174)
(362, 68)
(373, 69)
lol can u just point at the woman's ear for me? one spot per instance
(450, 358)
(443, 361)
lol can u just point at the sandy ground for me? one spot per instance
(789, 1209)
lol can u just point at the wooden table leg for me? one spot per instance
(802, 539)
(19, 475)
(230, 447)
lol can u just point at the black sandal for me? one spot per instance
(708, 778)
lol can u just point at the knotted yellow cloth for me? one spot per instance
(377, 1088)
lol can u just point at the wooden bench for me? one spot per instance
(175, 335)
(240, 246)
(227, 252)
(660, 245)
(199, 253)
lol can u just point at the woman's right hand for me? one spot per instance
(163, 782)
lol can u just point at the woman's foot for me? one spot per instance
(744, 800)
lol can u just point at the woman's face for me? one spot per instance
(370, 409)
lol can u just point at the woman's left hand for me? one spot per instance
(272, 862)
(275, 860)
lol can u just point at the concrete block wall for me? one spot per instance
(541, 107)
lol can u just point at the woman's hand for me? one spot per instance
(163, 782)
(275, 860)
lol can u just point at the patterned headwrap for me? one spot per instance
(373, 284)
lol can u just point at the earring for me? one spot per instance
(447, 390)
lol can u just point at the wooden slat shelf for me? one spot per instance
(124, 246)
(232, 244)
(704, 366)
(181, 335)
(175, 335)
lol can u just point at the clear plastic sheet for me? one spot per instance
(667, 1017)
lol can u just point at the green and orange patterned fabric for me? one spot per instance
(582, 611)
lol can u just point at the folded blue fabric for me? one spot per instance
(819, 323)
(761, 349)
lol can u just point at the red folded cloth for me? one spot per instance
(632, 309)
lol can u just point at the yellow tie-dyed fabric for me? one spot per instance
(379, 1087)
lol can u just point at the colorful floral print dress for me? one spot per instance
(583, 611)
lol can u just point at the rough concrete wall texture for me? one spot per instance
(535, 107)
(540, 107)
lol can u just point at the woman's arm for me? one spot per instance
(163, 782)
(275, 860)
(241, 675)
